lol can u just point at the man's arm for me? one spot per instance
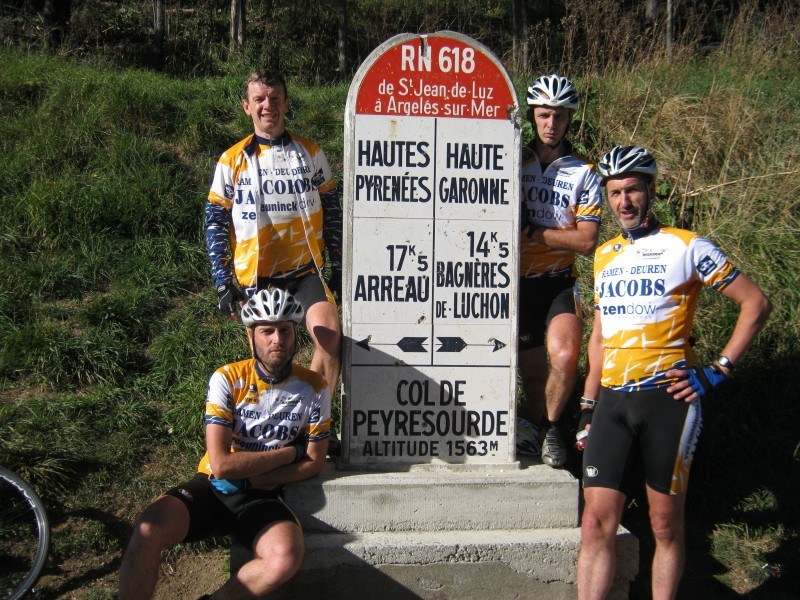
(218, 226)
(582, 239)
(226, 464)
(332, 233)
(591, 387)
(754, 309)
(332, 223)
(594, 352)
(310, 466)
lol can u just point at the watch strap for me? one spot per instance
(726, 362)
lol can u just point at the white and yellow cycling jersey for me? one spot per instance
(270, 210)
(647, 291)
(266, 416)
(567, 192)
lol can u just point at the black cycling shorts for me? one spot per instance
(540, 300)
(244, 515)
(651, 425)
(308, 290)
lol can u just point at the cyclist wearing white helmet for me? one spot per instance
(551, 93)
(272, 215)
(267, 424)
(632, 160)
(645, 386)
(561, 206)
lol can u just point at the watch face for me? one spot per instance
(723, 361)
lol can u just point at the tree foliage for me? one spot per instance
(325, 41)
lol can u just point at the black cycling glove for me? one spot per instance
(229, 296)
(704, 379)
(581, 434)
(585, 418)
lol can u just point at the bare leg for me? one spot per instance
(533, 368)
(667, 522)
(322, 323)
(278, 556)
(597, 558)
(547, 391)
(162, 524)
(563, 349)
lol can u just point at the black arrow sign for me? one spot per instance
(456, 344)
(416, 344)
(407, 344)
(451, 344)
(412, 344)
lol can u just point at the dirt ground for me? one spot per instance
(192, 575)
(188, 575)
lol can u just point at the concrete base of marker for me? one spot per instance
(458, 565)
(422, 498)
(499, 533)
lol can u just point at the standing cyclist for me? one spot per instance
(562, 202)
(644, 388)
(267, 424)
(272, 211)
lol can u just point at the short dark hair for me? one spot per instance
(264, 77)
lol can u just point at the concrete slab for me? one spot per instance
(458, 565)
(507, 531)
(531, 497)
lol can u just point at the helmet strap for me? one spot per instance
(648, 224)
(268, 377)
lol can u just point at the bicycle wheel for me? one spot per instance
(24, 536)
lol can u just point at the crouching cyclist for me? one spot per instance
(644, 388)
(267, 424)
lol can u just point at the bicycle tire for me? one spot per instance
(24, 535)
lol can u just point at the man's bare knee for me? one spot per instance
(322, 322)
(279, 554)
(598, 527)
(285, 562)
(666, 529)
(163, 523)
(564, 359)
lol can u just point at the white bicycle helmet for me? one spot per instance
(553, 91)
(627, 159)
(271, 306)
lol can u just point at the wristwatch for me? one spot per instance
(724, 361)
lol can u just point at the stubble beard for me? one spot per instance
(274, 366)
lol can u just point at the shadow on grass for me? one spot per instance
(705, 577)
(115, 530)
